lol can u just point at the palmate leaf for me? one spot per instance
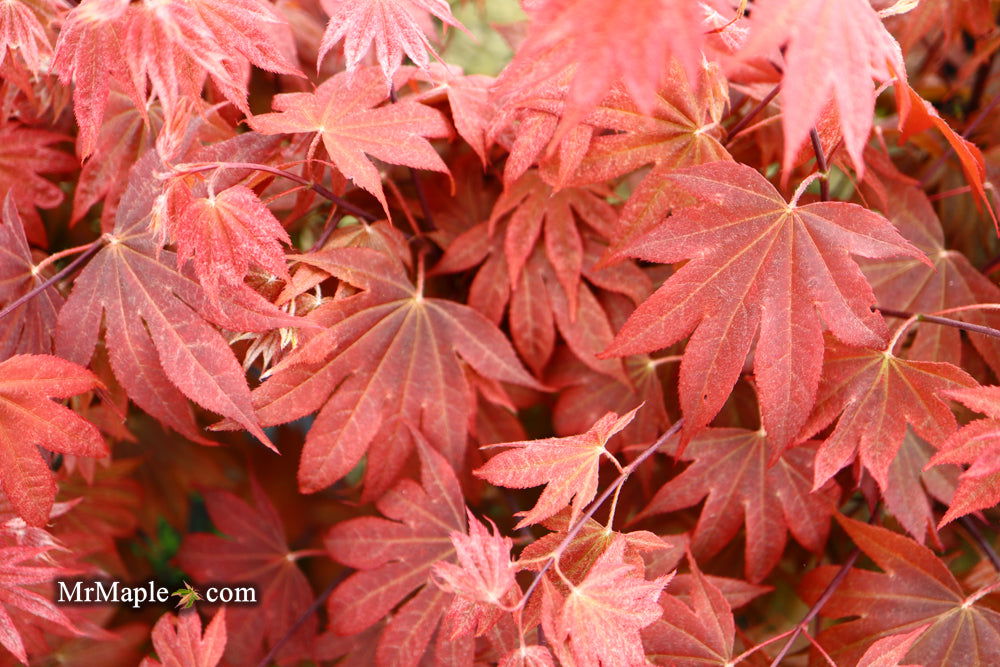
(344, 113)
(388, 357)
(758, 265)
(876, 394)
(28, 419)
(395, 556)
(160, 341)
(915, 589)
(179, 642)
(567, 466)
(745, 479)
(252, 551)
(30, 328)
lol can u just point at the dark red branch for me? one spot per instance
(946, 321)
(317, 603)
(821, 165)
(67, 271)
(981, 540)
(742, 124)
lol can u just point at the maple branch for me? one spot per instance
(818, 605)
(934, 319)
(317, 603)
(742, 124)
(981, 540)
(821, 165)
(356, 211)
(594, 506)
(68, 270)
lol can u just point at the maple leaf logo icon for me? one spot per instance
(188, 596)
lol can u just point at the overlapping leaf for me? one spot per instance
(179, 642)
(746, 480)
(28, 419)
(161, 346)
(915, 589)
(253, 550)
(394, 556)
(758, 265)
(344, 113)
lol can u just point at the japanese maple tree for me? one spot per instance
(507, 332)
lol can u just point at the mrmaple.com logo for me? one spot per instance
(98, 591)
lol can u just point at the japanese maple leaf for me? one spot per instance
(21, 568)
(344, 113)
(977, 443)
(876, 394)
(604, 45)
(736, 474)
(179, 642)
(160, 341)
(910, 285)
(25, 155)
(914, 590)
(252, 550)
(30, 328)
(188, 596)
(28, 419)
(601, 616)
(567, 467)
(224, 234)
(759, 265)
(393, 27)
(914, 487)
(394, 557)
(693, 631)
(360, 372)
(832, 51)
(90, 54)
(890, 651)
(480, 581)
(538, 211)
(24, 30)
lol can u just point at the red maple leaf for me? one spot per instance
(831, 52)
(915, 590)
(252, 550)
(876, 394)
(344, 113)
(745, 478)
(30, 328)
(25, 29)
(28, 419)
(567, 467)
(394, 557)
(160, 342)
(179, 642)
(758, 264)
(393, 27)
(977, 443)
(360, 372)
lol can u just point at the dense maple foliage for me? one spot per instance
(580, 332)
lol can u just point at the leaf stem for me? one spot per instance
(68, 270)
(317, 603)
(315, 187)
(821, 165)
(946, 321)
(743, 122)
(594, 506)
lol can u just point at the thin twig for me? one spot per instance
(735, 129)
(946, 321)
(981, 540)
(815, 609)
(821, 165)
(557, 553)
(64, 273)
